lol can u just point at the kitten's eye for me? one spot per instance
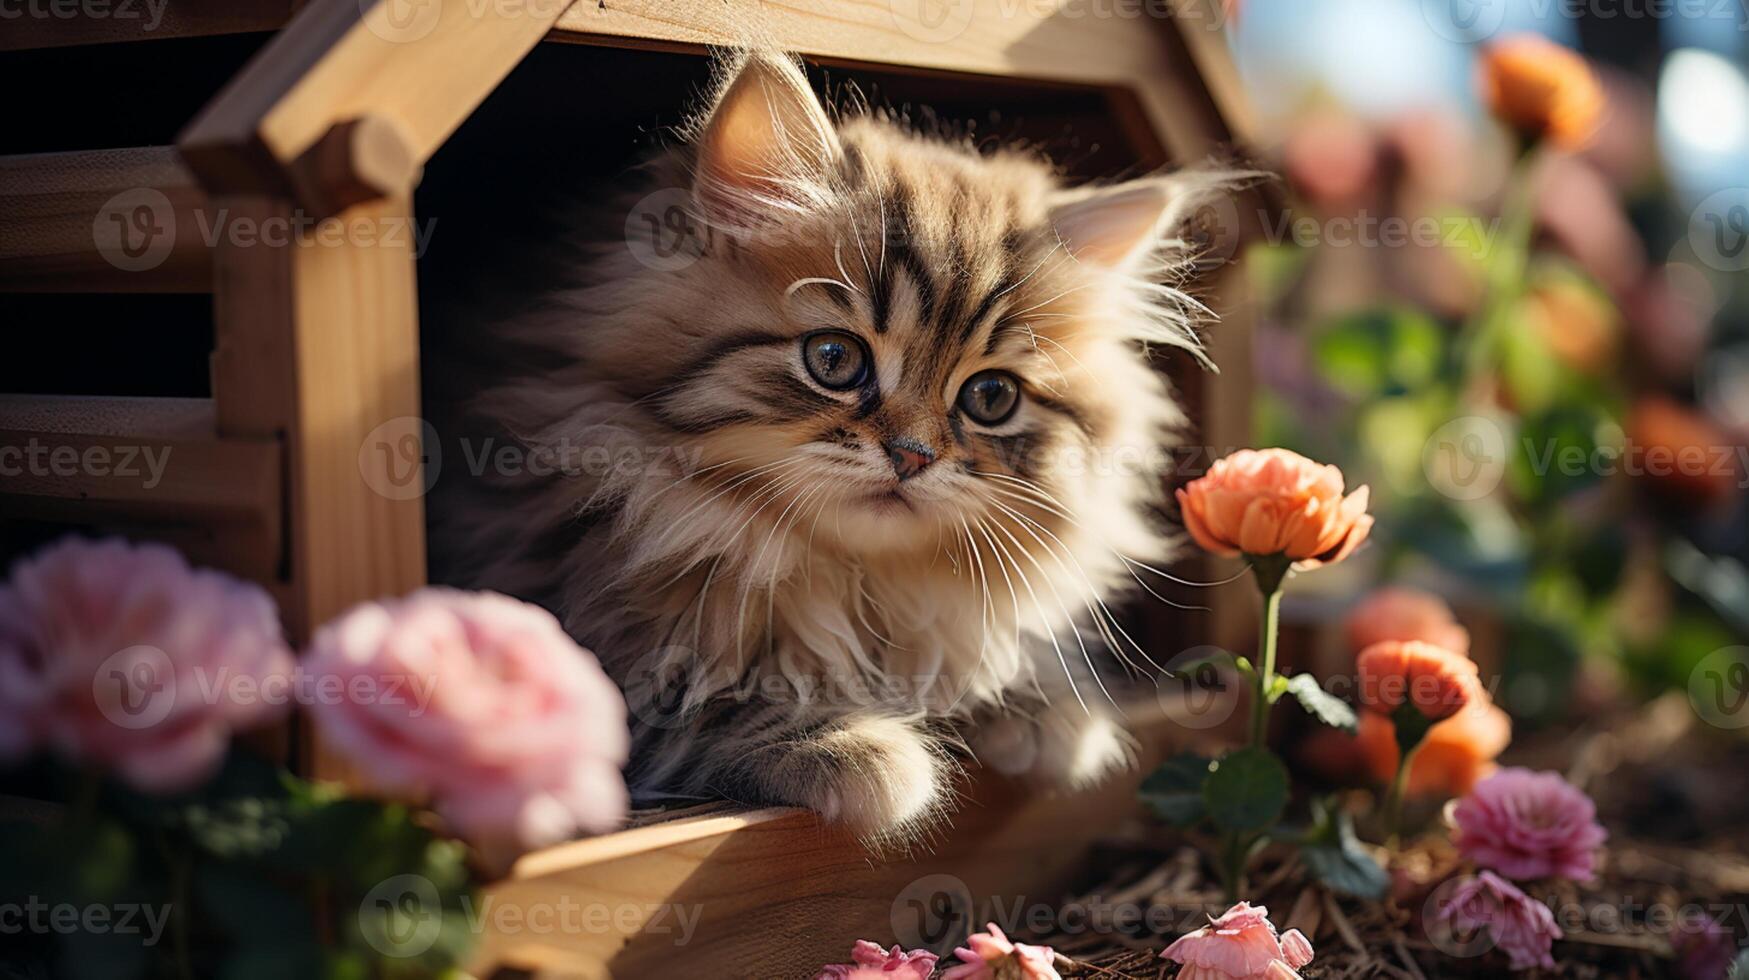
(990, 397)
(836, 360)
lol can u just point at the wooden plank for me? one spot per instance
(1071, 41)
(775, 893)
(421, 68)
(149, 465)
(57, 25)
(121, 220)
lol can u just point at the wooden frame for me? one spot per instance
(301, 457)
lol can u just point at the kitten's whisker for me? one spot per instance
(817, 281)
(1065, 515)
(1088, 581)
(1038, 605)
(1013, 597)
(838, 259)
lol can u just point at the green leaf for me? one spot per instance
(1174, 791)
(1740, 969)
(1247, 791)
(1380, 352)
(1321, 704)
(1335, 857)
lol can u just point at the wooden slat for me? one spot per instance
(48, 25)
(775, 893)
(418, 68)
(1057, 40)
(122, 220)
(144, 465)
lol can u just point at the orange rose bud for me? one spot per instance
(1399, 613)
(1689, 459)
(1275, 502)
(1542, 89)
(1457, 753)
(1438, 682)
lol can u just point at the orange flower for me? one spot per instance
(1691, 460)
(1457, 753)
(1438, 682)
(1404, 614)
(1542, 89)
(1275, 502)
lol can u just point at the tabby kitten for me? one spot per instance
(866, 499)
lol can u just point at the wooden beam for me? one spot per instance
(713, 895)
(150, 465)
(420, 68)
(122, 220)
(47, 25)
(1053, 40)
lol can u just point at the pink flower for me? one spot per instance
(1404, 615)
(874, 963)
(1275, 502)
(123, 656)
(1240, 945)
(1529, 825)
(1704, 948)
(991, 956)
(1522, 928)
(481, 703)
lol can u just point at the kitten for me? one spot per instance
(840, 481)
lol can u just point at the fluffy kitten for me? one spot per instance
(829, 488)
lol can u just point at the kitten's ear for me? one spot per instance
(767, 144)
(1117, 227)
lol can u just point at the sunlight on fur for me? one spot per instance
(882, 392)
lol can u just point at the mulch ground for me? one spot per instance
(1673, 794)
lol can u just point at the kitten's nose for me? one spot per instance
(909, 456)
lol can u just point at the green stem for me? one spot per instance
(1503, 279)
(1266, 669)
(1394, 801)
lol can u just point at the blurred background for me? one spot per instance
(1536, 355)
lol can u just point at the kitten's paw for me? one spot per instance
(878, 776)
(1070, 751)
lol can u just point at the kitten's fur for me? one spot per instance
(791, 623)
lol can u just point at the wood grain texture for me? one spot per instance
(421, 67)
(774, 893)
(152, 467)
(1138, 47)
(46, 25)
(121, 220)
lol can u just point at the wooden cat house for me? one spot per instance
(143, 243)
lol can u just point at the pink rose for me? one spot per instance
(123, 656)
(1522, 928)
(1529, 825)
(480, 703)
(1240, 945)
(873, 963)
(990, 955)
(1404, 615)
